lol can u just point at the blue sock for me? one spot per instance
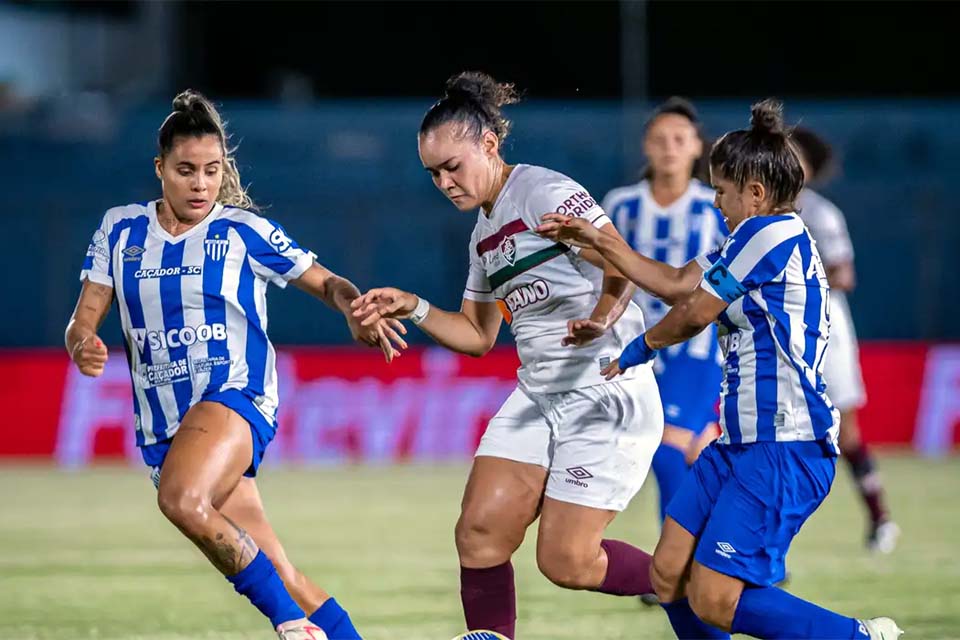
(768, 612)
(669, 467)
(259, 582)
(688, 626)
(334, 621)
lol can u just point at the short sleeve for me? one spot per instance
(565, 196)
(756, 253)
(96, 264)
(829, 230)
(276, 257)
(478, 286)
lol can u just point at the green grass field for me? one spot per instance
(87, 555)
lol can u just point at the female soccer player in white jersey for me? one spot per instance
(567, 445)
(728, 529)
(841, 365)
(190, 273)
(669, 216)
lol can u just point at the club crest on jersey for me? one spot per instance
(508, 248)
(216, 248)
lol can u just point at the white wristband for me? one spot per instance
(420, 313)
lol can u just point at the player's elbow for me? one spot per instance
(480, 349)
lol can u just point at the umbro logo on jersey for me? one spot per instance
(725, 549)
(579, 474)
(133, 253)
(216, 248)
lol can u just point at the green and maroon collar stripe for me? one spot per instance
(492, 242)
(525, 264)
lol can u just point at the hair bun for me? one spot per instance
(476, 86)
(767, 117)
(190, 100)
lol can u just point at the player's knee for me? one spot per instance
(567, 565)
(666, 576)
(480, 542)
(186, 508)
(713, 605)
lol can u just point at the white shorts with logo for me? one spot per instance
(597, 442)
(841, 364)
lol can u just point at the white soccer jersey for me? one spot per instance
(675, 234)
(774, 333)
(827, 226)
(540, 284)
(193, 307)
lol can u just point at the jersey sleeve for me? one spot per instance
(478, 286)
(276, 257)
(829, 230)
(754, 254)
(96, 264)
(564, 196)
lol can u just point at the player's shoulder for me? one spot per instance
(529, 179)
(782, 225)
(131, 211)
(538, 190)
(625, 192)
(243, 216)
(816, 209)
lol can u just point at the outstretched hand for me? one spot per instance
(571, 230)
(581, 332)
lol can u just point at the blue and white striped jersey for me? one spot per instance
(773, 334)
(675, 234)
(193, 307)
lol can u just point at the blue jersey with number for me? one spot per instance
(193, 307)
(773, 333)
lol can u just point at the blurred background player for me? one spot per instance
(669, 216)
(190, 273)
(841, 366)
(567, 445)
(724, 543)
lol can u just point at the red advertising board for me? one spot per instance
(345, 404)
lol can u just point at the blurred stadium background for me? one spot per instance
(363, 481)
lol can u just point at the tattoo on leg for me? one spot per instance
(230, 553)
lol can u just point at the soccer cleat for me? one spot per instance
(882, 628)
(883, 537)
(301, 629)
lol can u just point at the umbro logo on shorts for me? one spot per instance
(725, 549)
(579, 475)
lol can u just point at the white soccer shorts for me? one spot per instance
(597, 442)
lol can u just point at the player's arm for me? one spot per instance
(842, 276)
(472, 330)
(668, 283)
(338, 293)
(615, 295)
(85, 348)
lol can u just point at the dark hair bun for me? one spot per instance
(767, 117)
(479, 87)
(190, 100)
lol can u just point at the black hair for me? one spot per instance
(474, 99)
(816, 152)
(677, 105)
(195, 116)
(763, 153)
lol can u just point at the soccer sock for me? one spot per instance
(669, 467)
(868, 482)
(688, 626)
(334, 621)
(259, 582)
(768, 612)
(489, 599)
(628, 570)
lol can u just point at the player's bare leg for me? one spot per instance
(572, 552)
(883, 533)
(209, 454)
(501, 499)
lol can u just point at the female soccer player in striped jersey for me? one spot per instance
(190, 273)
(728, 529)
(553, 450)
(669, 215)
(841, 365)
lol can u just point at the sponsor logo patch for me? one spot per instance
(182, 337)
(578, 475)
(163, 272)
